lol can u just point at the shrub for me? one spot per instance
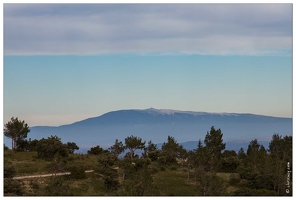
(154, 170)
(162, 168)
(234, 179)
(77, 172)
(9, 171)
(12, 187)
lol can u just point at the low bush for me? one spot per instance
(9, 171)
(77, 172)
(234, 179)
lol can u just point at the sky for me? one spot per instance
(68, 62)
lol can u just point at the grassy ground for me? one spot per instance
(27, 163)
(170, 182)
(174, 183)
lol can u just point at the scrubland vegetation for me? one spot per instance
(209, 170)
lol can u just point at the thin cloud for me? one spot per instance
(87, 29)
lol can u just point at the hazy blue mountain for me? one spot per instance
(157, 124)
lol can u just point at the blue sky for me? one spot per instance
(64, 63)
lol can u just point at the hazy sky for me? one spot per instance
(64, 63)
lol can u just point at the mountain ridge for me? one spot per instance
(170, 112)
(156, 124)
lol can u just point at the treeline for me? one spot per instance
(256, 172)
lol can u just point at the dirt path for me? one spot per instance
(46, 175)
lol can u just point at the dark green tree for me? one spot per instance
(132, 143)
(97, 150)
(241, 154)
(201, 159)
(138, 181)
(171, 150)
(214, 146)
(48, 148)
(117, 148)
(72, 146)
(106, 169)
(280, 149)
(151, 151)
(17, 130)
(33, 144)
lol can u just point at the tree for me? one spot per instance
(209, 184)
(171, 150)
(16, 130)
(201, 159)
(72, 146)
(133, 143)
(214, 146)
(280, 149)
(97, 150)
(48, 148)
(151, 151)
(138, 181)
(241, 154)
(110, 176)
(117, 148)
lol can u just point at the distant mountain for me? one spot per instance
(157, 124)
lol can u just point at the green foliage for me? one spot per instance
(138, 180)
(12, 188)
(22, 145)
(17, 130)
(97, 150)
(241, 154)
(72, 146)
(155, 172)
(170, 151)
(162, 168)
(229, 153)
(201, 157)
(209, 184)
(56, 187)
(254, 192)
(9, 170)
(234, 179)
(48, 148)
(117, 148)
(33, 145)
(280, 149)
(229, 164)
(214, 146)
(132, 143)
(173, 183)
(151, 151)
(77, 172)
(110, 176)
